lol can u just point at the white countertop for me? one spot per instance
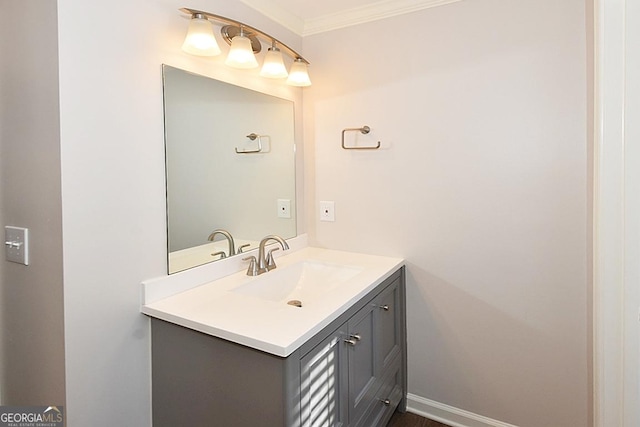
(274, 327)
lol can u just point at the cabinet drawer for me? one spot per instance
(386, 398)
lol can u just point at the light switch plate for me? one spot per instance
(16, 243)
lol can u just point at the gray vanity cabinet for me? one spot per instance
(389, 358)
(376, 336)
(352, 373)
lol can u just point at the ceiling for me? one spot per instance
(309, 9)
(306, 17)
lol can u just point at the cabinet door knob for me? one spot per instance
(353, 339)
(385, 402)
(384, 307)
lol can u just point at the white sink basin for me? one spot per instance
(303, 281)
(253, 311)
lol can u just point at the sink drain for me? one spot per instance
(295, 302)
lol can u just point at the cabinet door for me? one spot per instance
(360, 345)
(323, 383)
(388, 325)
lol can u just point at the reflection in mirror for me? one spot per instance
(230, 163)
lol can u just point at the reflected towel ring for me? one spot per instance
(252, 137)
(363, 130)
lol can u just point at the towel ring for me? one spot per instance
(363, 130)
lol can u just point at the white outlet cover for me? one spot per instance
(284, 208)
(327, 211)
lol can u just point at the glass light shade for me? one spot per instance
(200, 39)
(298, 75)
(241, 53)
(273, 65)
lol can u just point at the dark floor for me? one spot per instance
(412, 420)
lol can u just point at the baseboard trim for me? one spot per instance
(448, 414)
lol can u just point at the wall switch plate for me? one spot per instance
(327, 211)
(16, 244)
(284, 208)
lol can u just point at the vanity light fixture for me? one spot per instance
(200, 39)
(245, 43)
(298, 75)
(241, 52)
(273, 65)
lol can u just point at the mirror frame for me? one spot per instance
(295, 160)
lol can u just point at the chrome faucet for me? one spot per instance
(227, 235)
(266, 261)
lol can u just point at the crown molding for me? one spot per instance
(278, 14)
(345, 18)
(372, 12)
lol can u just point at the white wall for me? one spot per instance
(617, 215)
(31, 315)
(631, 348)
(113, 188)
(480, 183)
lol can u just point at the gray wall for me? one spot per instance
(487, 203)
(112, 150)
(480, 184)
(31, 313)
(82, 150)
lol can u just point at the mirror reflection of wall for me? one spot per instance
(211, 186)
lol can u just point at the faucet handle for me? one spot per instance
(246, 245)
(253, 265)
(271, 263)
(221, 253)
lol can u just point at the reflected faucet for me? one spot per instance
(266, 261)
(227, 235)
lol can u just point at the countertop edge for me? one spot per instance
(262, 344)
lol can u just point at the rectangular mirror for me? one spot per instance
(230, 165)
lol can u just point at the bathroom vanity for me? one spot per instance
(319, 341)
(338, 360)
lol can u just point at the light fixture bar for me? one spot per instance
(254, 31)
